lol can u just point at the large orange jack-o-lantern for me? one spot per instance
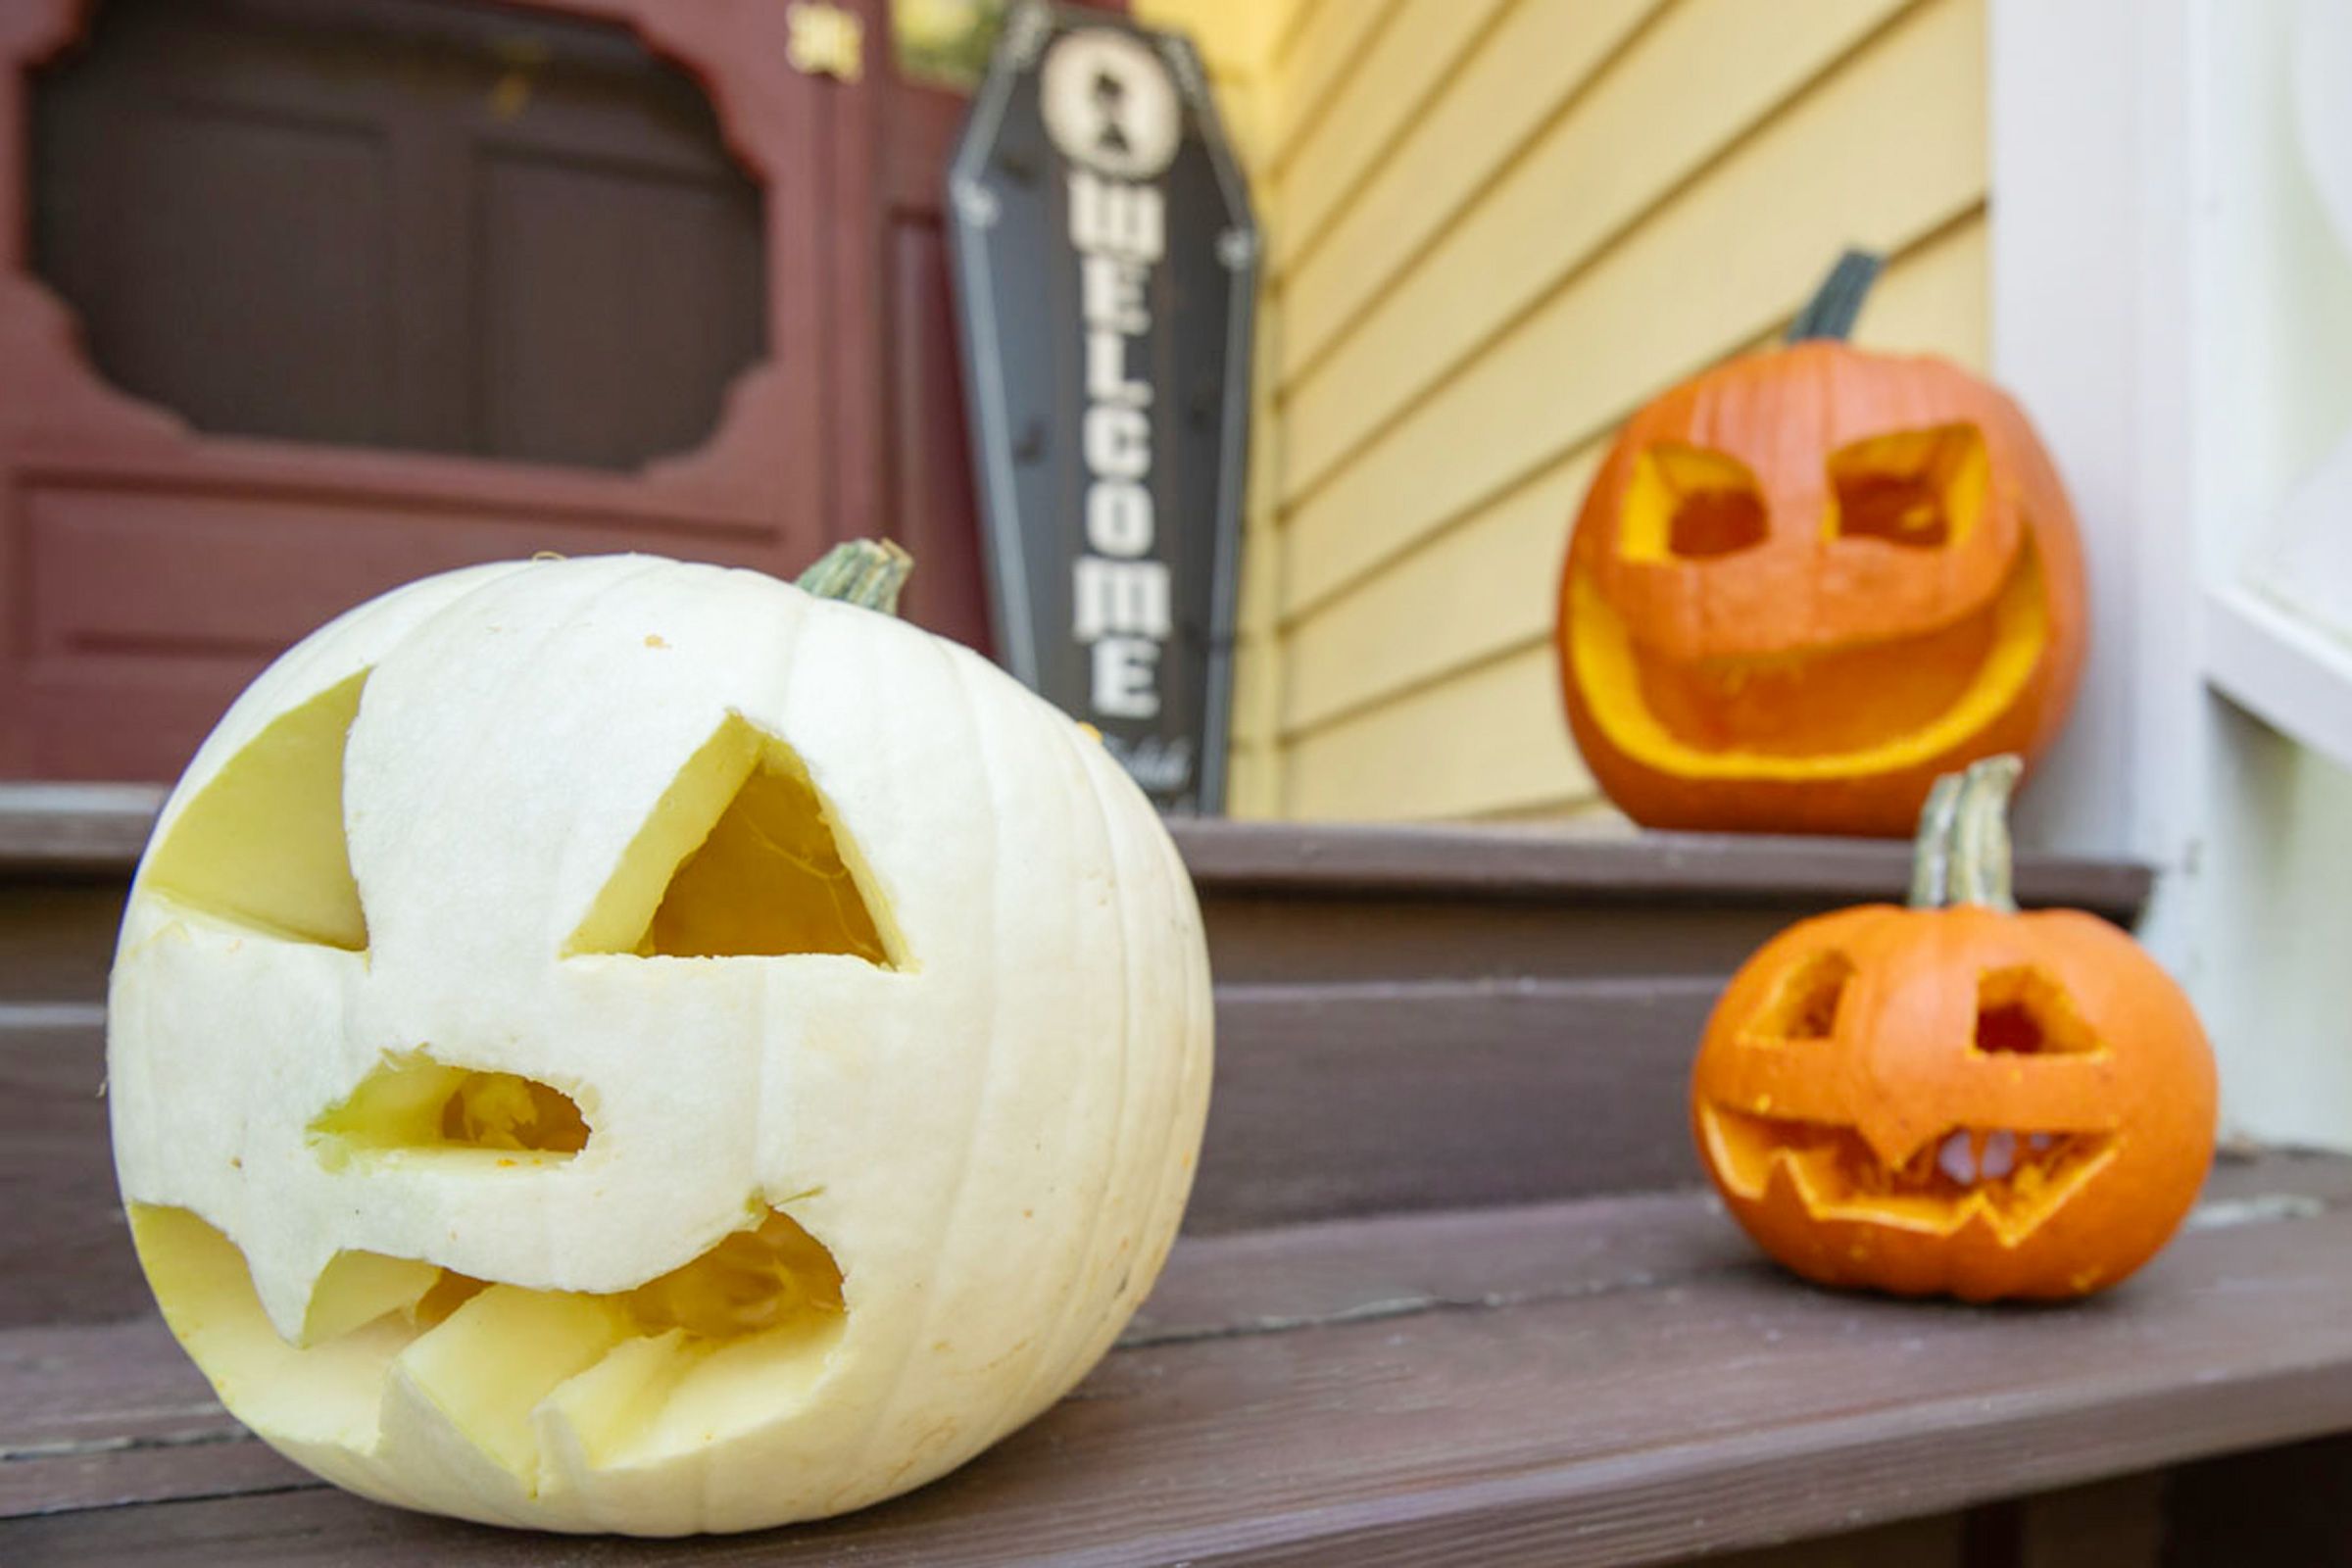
(1809, 582)
(1957, 1097)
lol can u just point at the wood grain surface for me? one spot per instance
(1613, 1381)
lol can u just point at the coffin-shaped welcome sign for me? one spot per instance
(1105, 263)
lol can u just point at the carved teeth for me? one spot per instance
(1968, 1157)
(1956, 1157)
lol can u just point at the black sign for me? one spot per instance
(1105, 264)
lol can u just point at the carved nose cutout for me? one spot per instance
(263, 844)
(413, 1105)
(741, 857)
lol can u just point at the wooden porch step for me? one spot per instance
(1448, 1291)
(1407, 1019)
(1611, 1381)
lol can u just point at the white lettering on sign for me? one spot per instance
(1129, 597)
(1124, 671)
(1121, 600)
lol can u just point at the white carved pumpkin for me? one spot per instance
(696, 1057)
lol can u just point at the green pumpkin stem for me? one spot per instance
(1830, 312)
(1981, 861)
(1932, 852)
(867, 572)
(1962, 854)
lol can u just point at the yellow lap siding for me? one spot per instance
(1494, 228)
(1693, 85)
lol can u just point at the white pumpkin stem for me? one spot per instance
(1980, 858)
(867, 572)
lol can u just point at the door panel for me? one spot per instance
(342, 292)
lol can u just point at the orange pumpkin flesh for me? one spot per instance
(1962, 1101)
(1808, 582)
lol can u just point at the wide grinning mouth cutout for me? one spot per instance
(1835, 711)
(2013, 1177)
(739, 1336)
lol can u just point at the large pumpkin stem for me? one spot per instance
(1981, 863)
(1932, 851)
(1830, 312)
(867, 572)
(1962, 854)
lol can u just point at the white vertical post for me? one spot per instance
(2145, 235)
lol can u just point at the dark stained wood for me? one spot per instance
(76, 827)
(1329, 1101)
(1616, 1380)
(1578, 863)
(57, 938)
(2279, 1506)
(65, 1255)
(1913, 1543)
(1375, 937)
(1359, 1100)
(1521, 1036)
(2115, 1523)
(1569, 865)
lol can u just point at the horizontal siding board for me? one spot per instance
(1379, 101)
(1883, 155)
(1488, 586)
(1475, 591)
(1723, 66)
(1542, 55)
(1489, 739)
(1311, 74)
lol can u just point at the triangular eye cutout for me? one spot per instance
(263, 844)
(741, 857)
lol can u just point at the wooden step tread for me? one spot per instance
(1613, 1380)
(100, 827)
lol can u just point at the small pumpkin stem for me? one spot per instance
(867, 572)
(1981, 857)
(1931, 850)
(1830, 312)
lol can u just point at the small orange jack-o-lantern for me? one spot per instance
(1809, 582)
(1956, 1097)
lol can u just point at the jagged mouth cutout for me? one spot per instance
(2015, 1179)
(2013, 1176)
(739, 1336)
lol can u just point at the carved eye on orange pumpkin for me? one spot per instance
(1959, 1098)
(1809, 582)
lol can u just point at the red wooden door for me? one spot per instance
(901, 417)
(150, 564)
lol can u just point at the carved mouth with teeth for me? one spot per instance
(2012, 1179)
